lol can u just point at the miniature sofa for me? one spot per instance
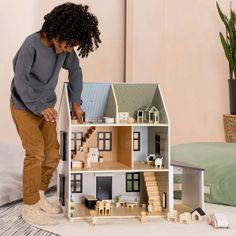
(123, 199)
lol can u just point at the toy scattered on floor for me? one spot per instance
(198, 214)
(172, 215)
(218, 220)
(92, 219)
(185, 218)
(143, 217)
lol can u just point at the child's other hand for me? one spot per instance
(50, 114)
(77, 112)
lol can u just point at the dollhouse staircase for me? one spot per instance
(83, 148)
(152, 190)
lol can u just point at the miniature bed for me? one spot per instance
(219, 162)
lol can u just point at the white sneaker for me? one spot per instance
(48, 206)
(32, 214)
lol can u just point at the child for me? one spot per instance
(36, 69)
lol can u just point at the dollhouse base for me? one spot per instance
(83, 213)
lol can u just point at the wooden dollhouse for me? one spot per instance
(103, 166)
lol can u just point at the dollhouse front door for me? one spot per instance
(104, 187)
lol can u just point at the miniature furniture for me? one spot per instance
(108, 208)
(90, 201)
(172, 215)
(185, 218)
(130, 204)
(100, 208)
(128, 199)
(140, 115)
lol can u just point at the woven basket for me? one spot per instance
(230, 128)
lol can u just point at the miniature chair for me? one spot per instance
(140, 115)
(107, 208)
(100, 208)
(185, 217)
(172, 215)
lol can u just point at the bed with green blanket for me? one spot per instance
(219, 162)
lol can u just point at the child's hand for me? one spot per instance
(77, 112)
(50, 114)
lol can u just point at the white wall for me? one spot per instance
(118, 179)
(142, 154)
(176, 43)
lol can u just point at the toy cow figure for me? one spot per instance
(158, 162)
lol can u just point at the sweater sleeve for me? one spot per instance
(75, 76)
(22, 80)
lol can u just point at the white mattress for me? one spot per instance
(11, 167)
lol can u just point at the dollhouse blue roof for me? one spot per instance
(94, 97)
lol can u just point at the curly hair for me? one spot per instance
(73, 24)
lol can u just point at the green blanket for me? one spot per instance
(219, 162)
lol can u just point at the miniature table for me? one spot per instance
(130, 204)
(90, 201)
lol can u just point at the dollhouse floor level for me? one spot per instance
(82, 212)
(117, 124)
(118, 167)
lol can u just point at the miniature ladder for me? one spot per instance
(152, 190)
(90, 133)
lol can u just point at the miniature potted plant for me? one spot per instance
(229, 45)
(117, 201)
(72, 210)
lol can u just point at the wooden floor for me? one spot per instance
(119, 167)
(181, 208)
(142, 165)
(82, 212)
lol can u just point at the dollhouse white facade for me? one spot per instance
(107, 162)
